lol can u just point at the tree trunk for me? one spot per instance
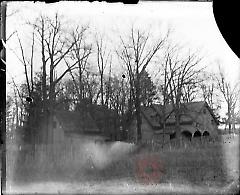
(16, 113)
(130, 106)
(138, 110)
(44, 90)
(164, 123)
(80, 83)
(102, 101)
(51, 103)
(21, 117)
(229, 119)
(177, 124)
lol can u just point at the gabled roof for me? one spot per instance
(151, 116)
(194, 108)
(189, 113)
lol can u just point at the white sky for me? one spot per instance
(193, 23)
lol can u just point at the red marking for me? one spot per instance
(149, 169)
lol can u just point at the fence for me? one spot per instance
(197, 143)
(67, 158)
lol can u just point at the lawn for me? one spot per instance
(206, 165)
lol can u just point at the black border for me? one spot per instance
(226, 16)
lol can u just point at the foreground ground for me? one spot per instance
(119, 187)
(202, 169)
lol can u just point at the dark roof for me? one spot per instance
(189, 113)
(75, 122)
(194, 108)
(151, 116)
(106, 119)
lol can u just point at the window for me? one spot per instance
(173, 135)
(204, 111)
(212, 122)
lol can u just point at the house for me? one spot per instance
(72, 124)
(89, 120)
(196, 119)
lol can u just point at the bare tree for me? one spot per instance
(92, 91)
(41, 29)
(230, 95)
(55, 46)
(18, 101)
(80, 53)
(108, 85)
(103, 58)
(136, 54)
(209, 92)
(27, 62)
(189, 93)
(165, 75)
(9, 113)
(182, 73)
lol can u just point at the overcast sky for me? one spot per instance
(193, 24)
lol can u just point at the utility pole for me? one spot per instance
(3, 9)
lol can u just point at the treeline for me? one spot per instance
(79, 66)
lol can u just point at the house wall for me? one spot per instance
(147, 131)
(160, 138)
(191, 128)
(206, 122)
(203, 122)
(58, 133)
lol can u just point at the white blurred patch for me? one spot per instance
(99, 155)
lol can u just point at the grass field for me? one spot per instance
(207, 166)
